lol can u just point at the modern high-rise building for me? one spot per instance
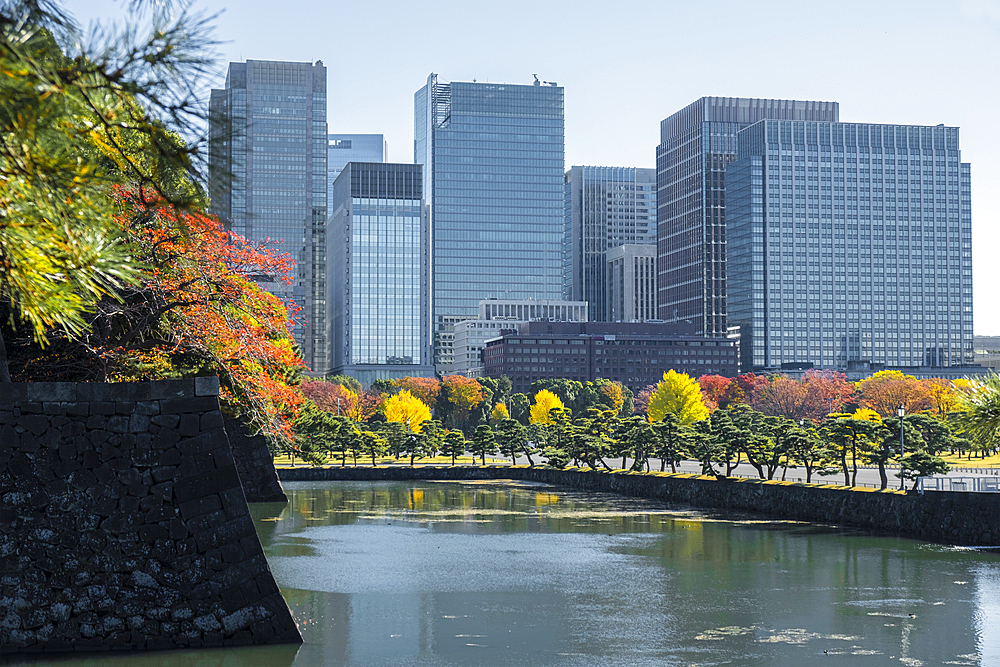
(493, 156)
(850, 243)
(267, 163)
(378, 273)
(344, 148)
(605, 207)
(696, 145)
(631, 283)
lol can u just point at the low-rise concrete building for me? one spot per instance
(636, 354)
(470, 336)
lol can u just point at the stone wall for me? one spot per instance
(254, 464)
(966, 519)
(123, 524)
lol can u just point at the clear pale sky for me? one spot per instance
(626, 66)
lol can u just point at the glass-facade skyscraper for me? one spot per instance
(605, 207)
(267, 156)
(493, 156)
(344, 148)
(696, 145)
(378, 273)
(850, 242)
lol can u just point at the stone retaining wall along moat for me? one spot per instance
(123, 524)
(965, 519)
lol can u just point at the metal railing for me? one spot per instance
(981, 484)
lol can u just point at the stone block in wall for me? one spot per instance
(255, 464)
(114, 537)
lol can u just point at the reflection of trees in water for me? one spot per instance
(475, 508)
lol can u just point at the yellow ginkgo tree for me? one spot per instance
(406, 408)
(677, 394)
(545, 402)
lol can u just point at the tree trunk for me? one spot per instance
(854, 463)
(809, 474)
(4, 366)
(882, 475)
(843, 464)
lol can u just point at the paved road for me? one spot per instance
(866, 476)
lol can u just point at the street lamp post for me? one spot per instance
(901, 411)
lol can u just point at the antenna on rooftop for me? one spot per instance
(537, 82)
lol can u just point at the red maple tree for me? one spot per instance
(195, 311)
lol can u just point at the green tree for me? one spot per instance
(859, 438)
(935, 434)
(591, 439)
(558, 434)
(315, 434)
(636, 438)
(808, 449)
(519, 407)
(347, 440)
(373, 445)
(783, 434)
(454, 444)
(888, 448)
(921, 464)
(537, 436)
(499, 388)
(511, 436)
(395, 435)
(703, 445)
(735, 434)
(426, 442)
(76, 120)
(978, 416)
(483, 442)
(670, 438)
(679, 395)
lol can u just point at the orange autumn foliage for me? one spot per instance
(199, 307)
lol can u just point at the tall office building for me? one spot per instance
(378, 273)
(631, 286)
(493, 156)
(268, 176)
(344, 148)
(850, 242)
(605, 207)
(696, 145)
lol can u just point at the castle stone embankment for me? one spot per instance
(123, 523)
(965, 519)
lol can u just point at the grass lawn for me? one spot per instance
(285, 461)
(975, 462)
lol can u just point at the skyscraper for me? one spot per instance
(344, 148)
(268, 176)
(850, 242)
(493, 156)
(379, 275)
(631, 283)
(696, 145)
(605, 207)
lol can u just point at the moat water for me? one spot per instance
(495, 573)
